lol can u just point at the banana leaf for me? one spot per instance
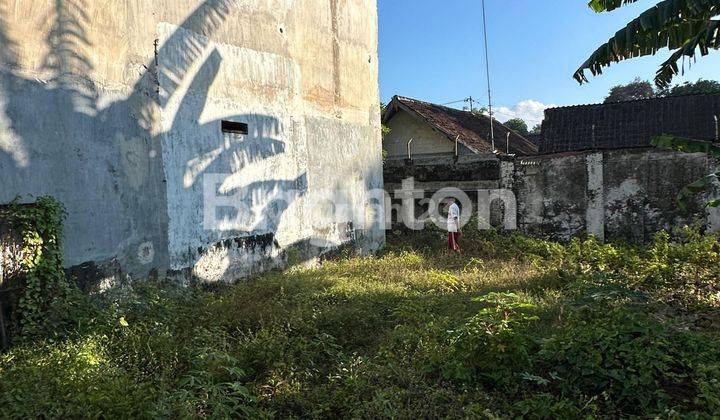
(608, 5)
(692, 190)
(686, 145)
(684, 26)
(682, 144)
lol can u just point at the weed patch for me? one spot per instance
(515, 326)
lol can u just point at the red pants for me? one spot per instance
(453, 241)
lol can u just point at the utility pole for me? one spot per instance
(487, 71)
(470, 100)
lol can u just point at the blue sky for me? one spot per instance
(433, 50)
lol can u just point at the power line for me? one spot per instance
(455, 102)
(468, 99)
(496, 110)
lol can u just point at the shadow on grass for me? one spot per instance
(364, 337)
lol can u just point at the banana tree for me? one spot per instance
(686, 27)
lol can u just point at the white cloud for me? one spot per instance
(531, 111)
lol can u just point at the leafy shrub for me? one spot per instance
(624, 360)
(685, 269)
(547, 406)
(40, 225)
(494, 343)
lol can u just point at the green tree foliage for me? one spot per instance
(642, 89)
(483, 110)
(385, 130)
(690, 88)
(517, 125)
(637, 89)
(686, 27)
(537, 129)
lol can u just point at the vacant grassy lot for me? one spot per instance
(514, 327)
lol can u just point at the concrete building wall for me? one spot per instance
(115, 109)
(426, 141)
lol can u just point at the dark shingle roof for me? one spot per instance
(534, 138)
(629, 124)
(473, 130)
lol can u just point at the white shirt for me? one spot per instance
(453, 221)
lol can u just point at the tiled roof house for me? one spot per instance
(434, 130)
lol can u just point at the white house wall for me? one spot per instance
(404, 127)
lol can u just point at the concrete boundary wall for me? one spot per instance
(616, 194)
(619, 194)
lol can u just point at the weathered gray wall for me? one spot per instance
(469, 173)
(618, 194)
(114, 108)
(551, 194)
(443, 168)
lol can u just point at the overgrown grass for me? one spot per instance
(513, 327)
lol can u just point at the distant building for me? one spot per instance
(422, 129)
(629, 124)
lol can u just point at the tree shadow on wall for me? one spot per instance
(104, 162)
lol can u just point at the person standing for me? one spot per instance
(453, 226)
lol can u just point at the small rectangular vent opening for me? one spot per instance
(233, 127)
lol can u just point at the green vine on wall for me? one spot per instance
(40, 226)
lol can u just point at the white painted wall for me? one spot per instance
(404, 127)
